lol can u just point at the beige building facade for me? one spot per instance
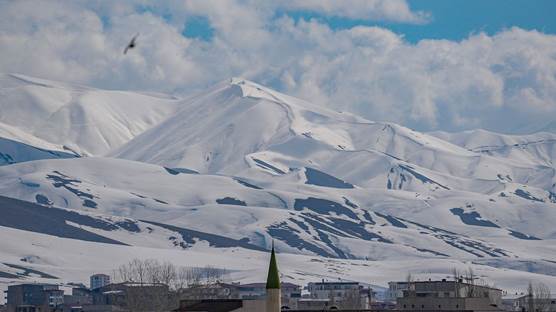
(449, 296)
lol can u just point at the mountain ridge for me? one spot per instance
(252, 164)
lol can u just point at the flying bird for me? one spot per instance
(131, 44)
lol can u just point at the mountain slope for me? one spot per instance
(244, 162)
(34, 257)
(12, 152)
(341, 221)
(26, 216)
(538, 148)
(86, 120)
(19, 146)
(242, 128)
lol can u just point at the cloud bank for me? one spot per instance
(505, 82)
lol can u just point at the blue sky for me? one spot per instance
(198, 27)
(456, 19)
(452, 20)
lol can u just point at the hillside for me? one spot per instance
(86, 120)
(36, 253)
(249, 164)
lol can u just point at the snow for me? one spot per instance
(18, 135)
(242, 128)
(538, 148)
(89, 121)
(74, 261)
(340, 195)
(150, 192)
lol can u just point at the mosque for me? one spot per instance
(271, 302)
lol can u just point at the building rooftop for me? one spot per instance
(262, 285)
(445, 282)
(35, 284)
(512, 296)
(335, 282)
(213, 305)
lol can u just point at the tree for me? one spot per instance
(542, 297)
(213, 275)
(409, 278)
(530, 297)
(155, 286)
(153, 272)
(146, 284)
(471, 290)
(456, 276)
(410, 285)
(538, 297)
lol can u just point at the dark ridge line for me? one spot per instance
(213, 239)
(27, 216)
(27, 271)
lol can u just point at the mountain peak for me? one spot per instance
(250, 89)
(245, 161)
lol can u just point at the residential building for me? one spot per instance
(312, 304)
(222, 305)
(34, 297)
(449, 296)
(211, 291)
(79, 297)
(290, 293)
(382, 305)
(395, 290)
(342, 294)
(258, 290)
(526, 303)
(103, 308)
(130, 296)
(99, 280)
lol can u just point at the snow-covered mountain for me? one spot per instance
(83, 243)
(19, 146)
(86, 120)
(534, 149)
(247, 163)
(242, 128)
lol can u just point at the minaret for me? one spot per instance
(273, 296)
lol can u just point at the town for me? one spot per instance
(150, 286)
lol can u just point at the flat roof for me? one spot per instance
(34, 284)
(343, 283)
(446, 281)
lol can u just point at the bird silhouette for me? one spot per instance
(131, 44)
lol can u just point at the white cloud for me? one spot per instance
(496, 82)
(391, 10)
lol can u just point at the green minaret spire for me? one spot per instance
(273, 279)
